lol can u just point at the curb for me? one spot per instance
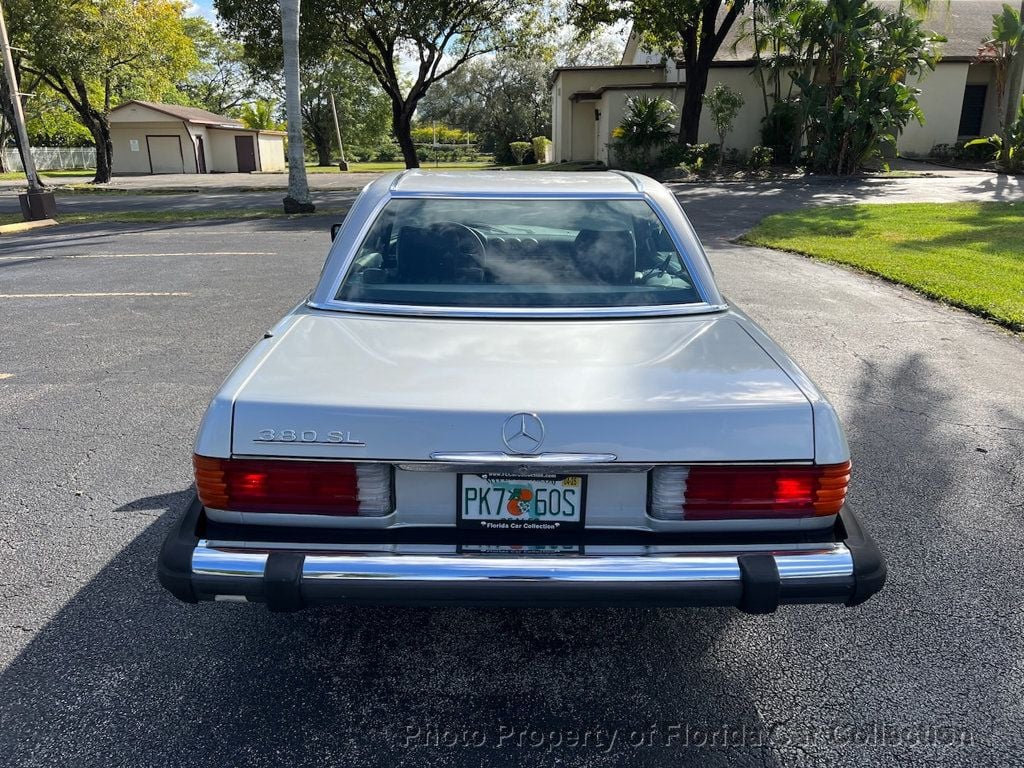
(23, 226)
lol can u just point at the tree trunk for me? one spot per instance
(323, 150)
(401, 117)
(693, 100)
(99, 127)
(298, 200)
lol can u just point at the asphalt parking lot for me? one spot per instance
(115, 336)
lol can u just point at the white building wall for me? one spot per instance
(131, 155)
(941, 100)
(746, 129)
(271, 152)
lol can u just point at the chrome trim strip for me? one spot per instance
(207, 561)
(517, 459)
(463, 568)
(832, 562)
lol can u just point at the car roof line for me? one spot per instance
(631, 178)
(398, 177)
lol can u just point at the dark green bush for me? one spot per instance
(761, 158)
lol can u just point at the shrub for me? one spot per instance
(761, 158)
(519, 150)
(696, 158)
(649, 123)
(780, 130)
(945, 152)
(724, 104)
(387, 153)
(541, 149)
(734, 156)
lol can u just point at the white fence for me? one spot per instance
(53, 158)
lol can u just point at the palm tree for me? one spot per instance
(298, 188)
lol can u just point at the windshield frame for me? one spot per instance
(336, 269)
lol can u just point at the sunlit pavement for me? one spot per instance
(107, 363)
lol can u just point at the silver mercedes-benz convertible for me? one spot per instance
(519, 388)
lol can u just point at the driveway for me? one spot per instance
(101, 398)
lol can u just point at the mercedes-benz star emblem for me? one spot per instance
(523, 433)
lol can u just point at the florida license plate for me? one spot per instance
(502, 502)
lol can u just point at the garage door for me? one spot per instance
(165, 155)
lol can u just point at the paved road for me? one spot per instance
(100, 667)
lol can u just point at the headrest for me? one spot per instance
(606, 256)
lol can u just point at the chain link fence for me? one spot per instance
(53, 158)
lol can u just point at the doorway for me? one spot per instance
(245, 151)
(202, 156)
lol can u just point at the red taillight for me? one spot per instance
(724, 492)
(293, 487)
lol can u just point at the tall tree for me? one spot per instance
(437, 36)
(298, 200)
(222, 81)
(95, 52)
(363, 109)
(692, 30)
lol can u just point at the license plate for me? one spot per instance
(502, 502)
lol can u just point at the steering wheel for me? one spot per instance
(458, 232)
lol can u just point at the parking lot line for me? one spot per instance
(90, 295)
(133, 255)
(6, 375)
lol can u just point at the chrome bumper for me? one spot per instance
(754, 578)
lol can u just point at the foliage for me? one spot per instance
(221, 81)
(438, 35)
(862, 98)
(693, 30)
(501, 99)
(943, 151)
(1008, 148)
(386, 153)
(649, 123)
(519, 150)
(780, 129)
(761, 158)
(1004, 50)
(440, 133)
(261, 115)
(695, 158)
(51, 122)
(96, 53)
(541, 149)
(966, 254)
(724, 104)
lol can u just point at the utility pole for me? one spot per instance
(36, 204)
(337, 131)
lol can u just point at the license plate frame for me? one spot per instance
(535, 519)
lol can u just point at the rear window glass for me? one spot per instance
(518, 254)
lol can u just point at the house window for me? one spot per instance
(973, 110)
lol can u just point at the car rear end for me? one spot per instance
(557, 410)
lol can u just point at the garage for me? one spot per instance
(153, 138)
(165, 154)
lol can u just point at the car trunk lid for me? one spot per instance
(676, 389)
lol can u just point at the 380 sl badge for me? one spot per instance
(311, 436)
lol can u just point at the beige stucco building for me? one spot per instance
(167, 138)
(958, 99)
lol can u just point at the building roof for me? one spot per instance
(540, 183)
(188, 114)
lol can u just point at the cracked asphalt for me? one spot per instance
(100, 396)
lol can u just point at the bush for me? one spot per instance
(976, 153)
(734, 156)
(387, 153)
(761, 158)
(945, 152)
(541, 149)
(649, 124)
(519, 150)
(780, 130)
(362, 154)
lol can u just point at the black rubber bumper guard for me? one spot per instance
(762, 590)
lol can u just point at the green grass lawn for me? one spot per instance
(19, 176)
(970, 255)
